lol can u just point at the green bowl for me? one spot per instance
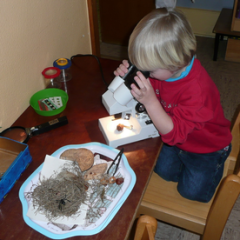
(46, 93)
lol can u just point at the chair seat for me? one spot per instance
(162, 201)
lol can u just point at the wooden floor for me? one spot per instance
(226, 75)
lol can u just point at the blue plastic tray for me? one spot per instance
(55, 233)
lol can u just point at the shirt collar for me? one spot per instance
(184, 73)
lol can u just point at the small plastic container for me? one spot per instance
(51, 75)
(64, 65)
(48, 93)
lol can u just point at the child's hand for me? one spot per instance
(122, 69)
(145, 94)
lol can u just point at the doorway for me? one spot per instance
(112, 22)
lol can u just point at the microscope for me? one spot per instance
(128, 121)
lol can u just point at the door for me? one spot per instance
(117, 18)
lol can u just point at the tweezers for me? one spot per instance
(116, 161)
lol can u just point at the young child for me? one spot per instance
(182, 101)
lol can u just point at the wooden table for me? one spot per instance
(223, 28)
(83, 110)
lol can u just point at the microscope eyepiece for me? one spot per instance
(132, 72)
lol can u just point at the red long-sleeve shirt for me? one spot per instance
(193, 103)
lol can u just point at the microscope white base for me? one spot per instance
(114, 138)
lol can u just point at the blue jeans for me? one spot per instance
(198, 175)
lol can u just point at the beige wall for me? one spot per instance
(201, 20)
(33, 34)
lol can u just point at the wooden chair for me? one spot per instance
(146, 228)
(163, 202)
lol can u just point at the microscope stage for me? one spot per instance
(141, 129)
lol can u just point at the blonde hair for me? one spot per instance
(162, 39)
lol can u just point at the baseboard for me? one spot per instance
(201, 20)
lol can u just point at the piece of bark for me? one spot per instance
(82, 156)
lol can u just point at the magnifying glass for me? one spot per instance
(22, 134)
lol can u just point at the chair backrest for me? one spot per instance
(236, 145)
(227, 193)
(230, 164)
(146, 228)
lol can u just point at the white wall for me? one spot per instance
(33, 34)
